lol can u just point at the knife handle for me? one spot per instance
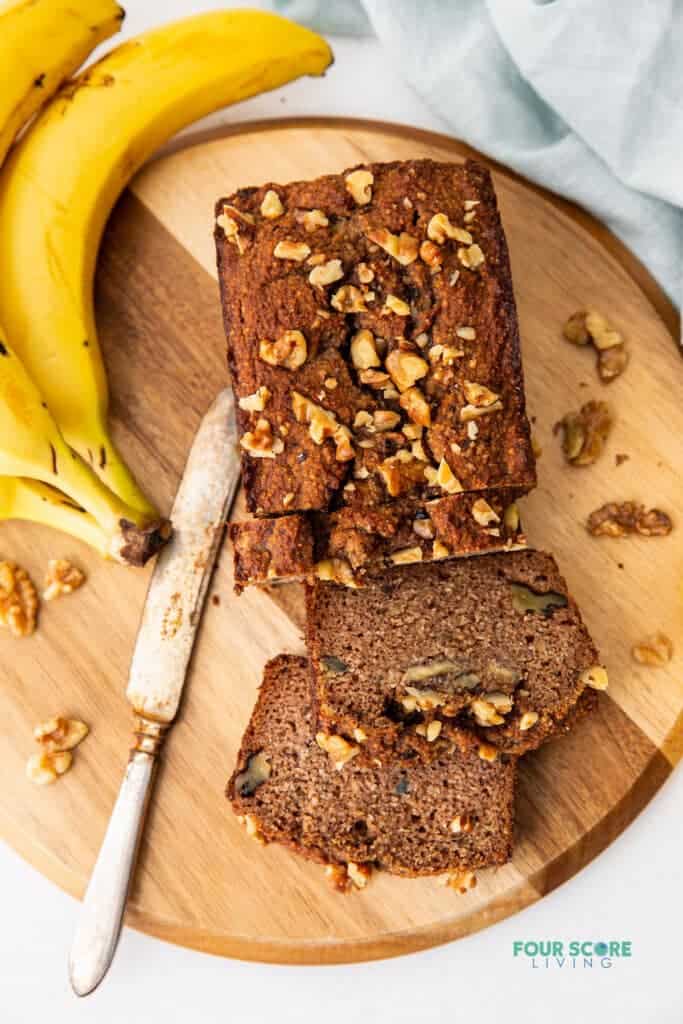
(104, 903)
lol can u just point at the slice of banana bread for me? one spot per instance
(495, 643)
(372, 337)
(346, 545)
(406, 815)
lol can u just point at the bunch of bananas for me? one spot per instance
(87, 137)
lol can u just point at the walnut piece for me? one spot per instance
(402, 248)
(18, 600)
(472, 257)
(431, 254)
(260, 442)
(290, 350)
(440, 228)
(583, 327)
(461, 881)
(416, 406)
(271, 205)
(406, 368)
(392, 304)
(312, 219)
(528, 720)
(461, 823)
(524, 599)
(446, 479)
(61, 578)
(596, 677)
(255, 402)
(405, 556)
(364, 351)
(288, 250)
(585, 433)
(611, 363)
(326, 273)
(359, 186)
(59, 733)
(339, 749)
(43, 769)
(619, 519)
(483, 514)
(655, 651)
(479, 395)
(336, 570)
(257, 771)
(323, 424)
(349, 299)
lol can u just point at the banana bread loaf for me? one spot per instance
(372, 338)
(346, 544)
(406, 815)
(494, 643)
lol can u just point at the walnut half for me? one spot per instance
(18, 600)
(585, 433)
(619, 519)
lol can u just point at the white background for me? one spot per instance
(633, 891)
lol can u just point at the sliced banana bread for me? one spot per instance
(346, 545)
(405, 814)
(495, 643)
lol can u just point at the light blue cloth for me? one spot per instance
(582, 96)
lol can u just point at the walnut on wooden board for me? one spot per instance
(584, 327)
(61, 578)
(619, 519)
(655, 651)
(585, 433)
(18, 600)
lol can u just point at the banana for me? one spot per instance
(36, 502)
(32, 446)
(42, 43)
(62, 179)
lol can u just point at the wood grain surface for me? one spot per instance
(201, 882)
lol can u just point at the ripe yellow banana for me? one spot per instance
(36, 502)
(42, 43)
(62, 179)
(32, 446)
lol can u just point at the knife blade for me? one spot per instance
(158, 671)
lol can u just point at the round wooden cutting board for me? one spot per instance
(201, 881)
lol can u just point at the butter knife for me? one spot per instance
(158, 670)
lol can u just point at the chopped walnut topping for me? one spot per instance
(231, 220)
(271, 205)
(288, 250)
(472, 257)
(365, 273)
(359, 874)
(528, 720)
(339, 749)
(335, 570)
(58, 734)
(479, 395)
(431, 254)
(392, 304)
(364, 350)
(406, 556)
(461, 823)
(323, 424)
(61, 578)
(487, 752)
(405, 368)
(260, 442)
(446, 479)
(374, 378)
(18, 600)
(472, 412)
(446, 354)
(440, 228)
(424, 528)
(288, 498)
(331, 383)
(402, 248)
(595, 677)
(349, 299)
(252, 827)
(655, 651)
(483, 514)
(326, 273)
(485, 712)
(363, 419)
(627, 517)
(385, 419)
(416, 406)
(312, 219)
(290, 350)
(44, 768)
(255, 402)
(359, 186)
(431, 731)
(585, 433)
